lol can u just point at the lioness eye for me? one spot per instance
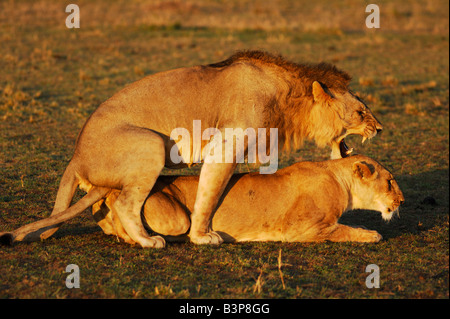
(389, 184)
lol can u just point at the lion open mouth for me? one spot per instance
(343, 148)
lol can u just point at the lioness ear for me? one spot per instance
(319, 93)
(364, 170)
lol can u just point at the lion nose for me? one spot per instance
(402, 199)
(379, 127)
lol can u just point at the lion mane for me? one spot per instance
(291, 110)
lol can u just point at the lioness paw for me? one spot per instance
(377, 237)
(371, 236)
(211, 238)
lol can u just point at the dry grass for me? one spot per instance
(280, 264)
(349, 15)
(53, 78)
(257, 288)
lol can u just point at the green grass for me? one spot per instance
(53, 78)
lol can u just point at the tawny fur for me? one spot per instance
(126, 142)
(300, 203)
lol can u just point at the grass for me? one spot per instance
(53, 78)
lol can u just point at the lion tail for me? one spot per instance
(67, 187)
(37, 229)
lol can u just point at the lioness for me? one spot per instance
(126, 142)
(302, 202)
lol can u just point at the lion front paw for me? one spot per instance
(152, 242)
(211, 238)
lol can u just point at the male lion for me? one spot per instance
(126, 142)
(302, 202)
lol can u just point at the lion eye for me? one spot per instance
(360, 112)
(389, 184)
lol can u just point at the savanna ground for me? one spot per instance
(52, 78)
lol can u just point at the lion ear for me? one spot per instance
(319, 93)
(364, 170)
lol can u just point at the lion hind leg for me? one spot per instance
(143, 158)
(127, 218)
(342, 233)
(118, 229)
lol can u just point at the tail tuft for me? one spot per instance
(6, 239)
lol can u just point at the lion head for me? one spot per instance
(312, 101)
(374, 188)
(342, 113)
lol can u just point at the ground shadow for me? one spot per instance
(76, 229)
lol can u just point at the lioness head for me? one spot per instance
(374, 188)
(350, 116)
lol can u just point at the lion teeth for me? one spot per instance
(349, 151)
(363, 139)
